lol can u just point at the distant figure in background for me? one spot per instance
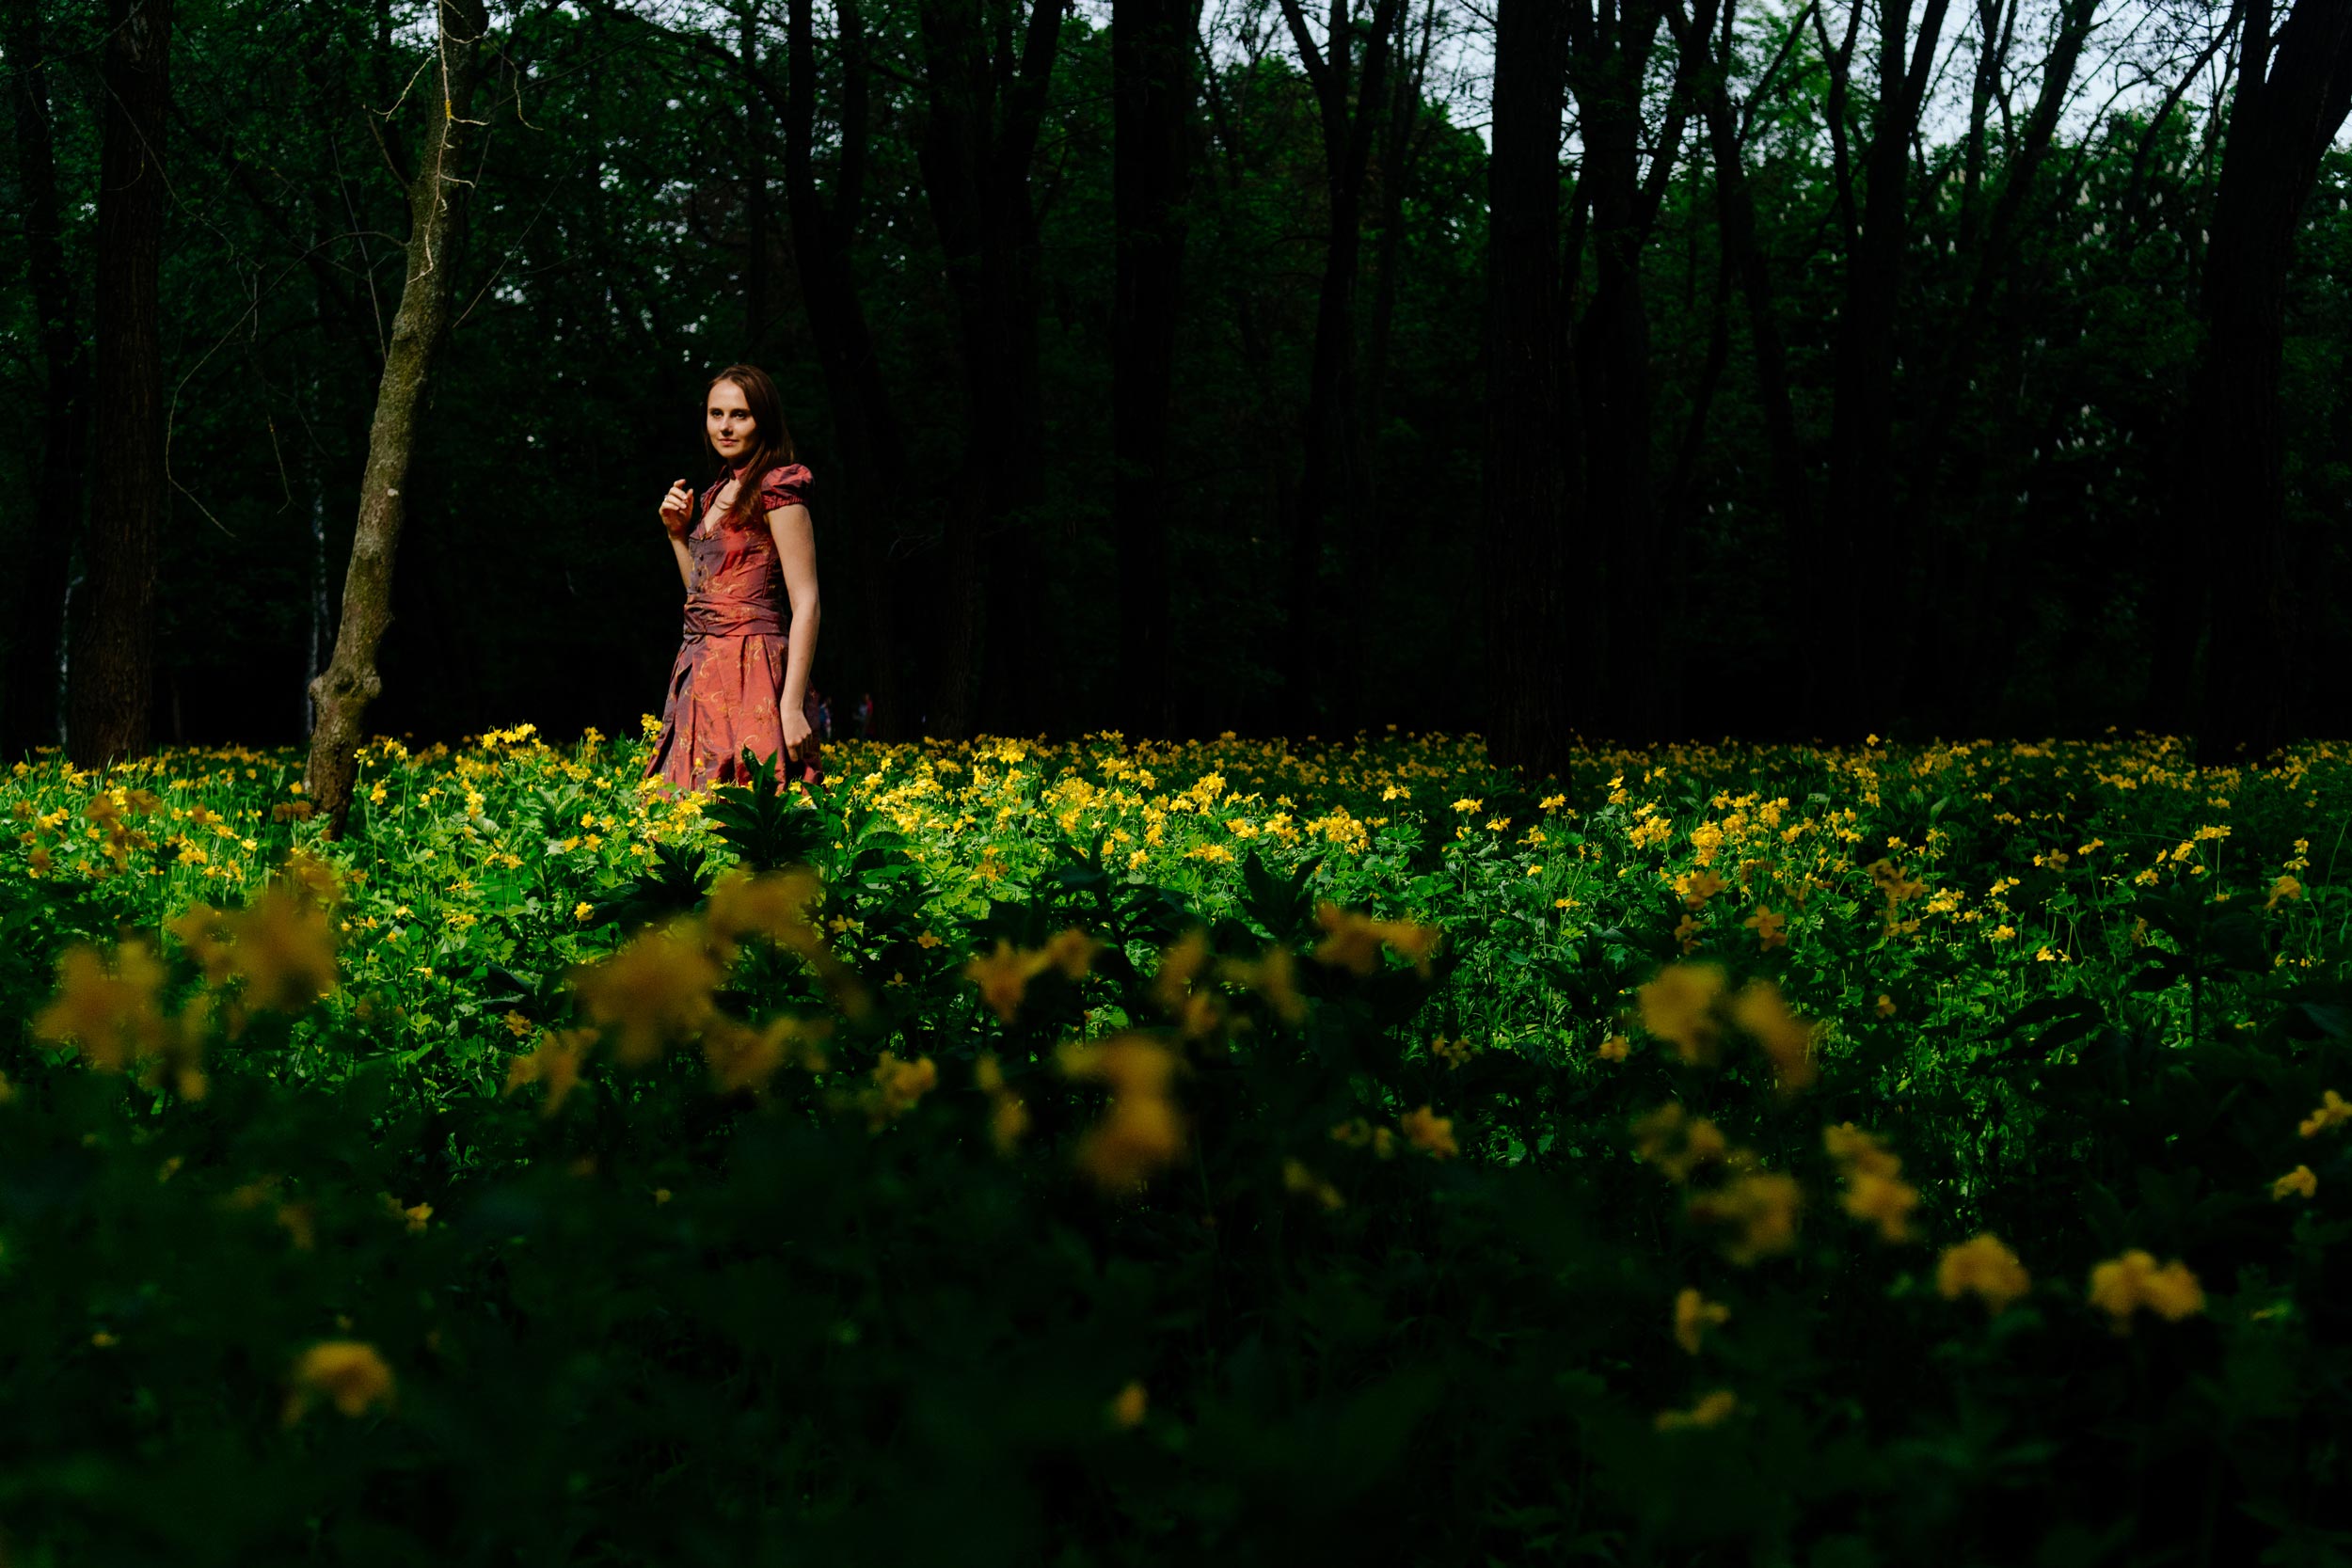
(862, 717)
(824, 717)
(747, 554)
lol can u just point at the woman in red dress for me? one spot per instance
(747, 554)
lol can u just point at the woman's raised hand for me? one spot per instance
(677, 509)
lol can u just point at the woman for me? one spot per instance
(744, 547)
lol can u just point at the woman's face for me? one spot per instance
(727, 421)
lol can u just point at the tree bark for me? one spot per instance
(866, 503)
(29, 707)
(113, 656)
(1523, 554)
(986, 98)
(350, 682)
(2289, 108)
(1349, 101)
(1153, 96)
(1865, 545)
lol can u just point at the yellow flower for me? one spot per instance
(1143, 1130)
(1128, 1406)
(1982, 1266)
(348, 1372)
(1771, 930)
(1678, 1007)
(652, 991)
(1615, 1048)
(1466, 805)
(2284, 888)
(1694, 1315)
(582, 909)
(1712, 1410)
(2334, 1111)
(555, 1063)
(898, 1085)
(1787, 1038)
(517, 1025)
(1669, 1139)
(1759, 1213)
(2299, 1183)
(2122, 1286)
(1885, 1007)
(1297, 1177)
(1884, 1201)
(1431, 1133)
(112, 1014)
(1353, 942)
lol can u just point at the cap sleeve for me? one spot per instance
(785, 486)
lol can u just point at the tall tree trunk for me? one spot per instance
(987, 97)
(1368, 543)
(1859, 570)
(1349, 101)
(1743, 252)
(1523, 553)
(1153, 96)
(759, 313)
(114, 657)
(2289, 109)
(865, 505)
(350, 682)
(28, 703)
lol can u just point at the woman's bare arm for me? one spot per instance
(796, 556)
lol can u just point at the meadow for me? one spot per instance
(1121, 1152)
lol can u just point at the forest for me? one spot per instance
(1580, 794)
(1677, 367)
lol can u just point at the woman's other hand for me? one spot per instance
(677, 509)
(799, 744)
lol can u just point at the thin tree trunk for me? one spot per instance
(113, 686)
(758, 307)
(1743, 251)
(865, 506)
(1864, 546)
(29, 709)
(1523, 553)
(1368, 546)
(986, 100)
(351, 681)
(2285, 120)
(1349, 102)
(1153, 96)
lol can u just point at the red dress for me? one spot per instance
(728, 682)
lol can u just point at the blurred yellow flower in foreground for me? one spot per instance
(1694, 1315)
(1128, 1406)
(652, 991)
(2299, 1183)
(2122, 1286)
(350, 1373)
(1353, 942)
(1758, 1210)
(1712, 1410)
(2334, 1111)
(1787, 1038)
(1431, 1133)
(555, 1063)
(1143, 1131)
(111, 1012)
(1678, 1005)
(1984, 1267)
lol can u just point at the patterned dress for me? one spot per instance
(728, 680)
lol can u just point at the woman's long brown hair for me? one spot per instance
(771, 440)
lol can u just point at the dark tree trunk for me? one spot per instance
(1153, 97)
(1532, 655)
(2229, 522)
(1349, 100)
(863, 501)
(1743, 252)
(759, 313)
(114, 656)
(987, 94)
(1860, 567)
(1369, 544)
(350, 682)
(29, 705)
